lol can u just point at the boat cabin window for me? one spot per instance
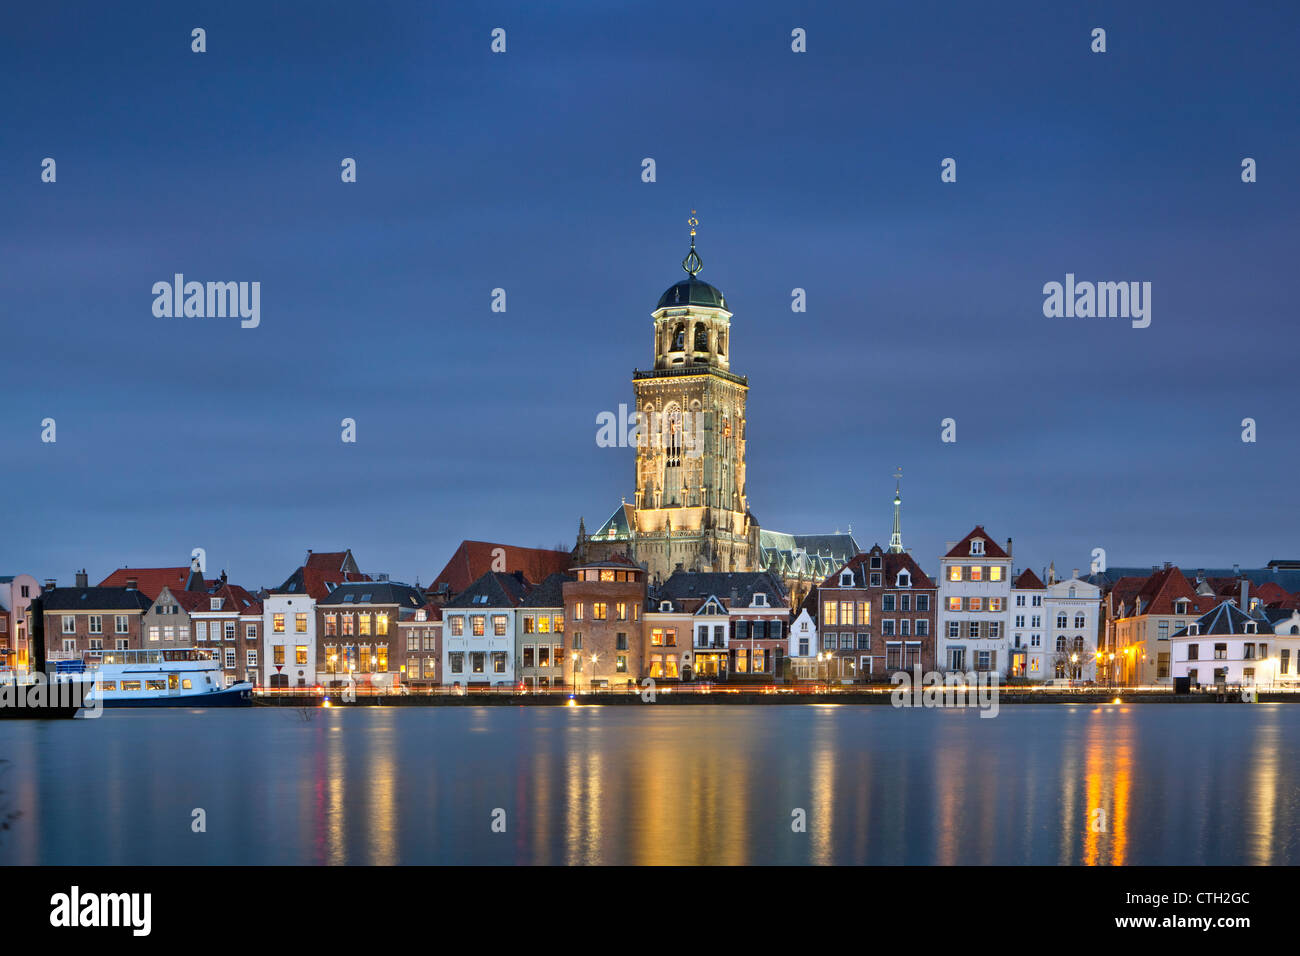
(130, 685)
(156, 684)
(110, 685)
(187, 684)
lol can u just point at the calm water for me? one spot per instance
(657, 784)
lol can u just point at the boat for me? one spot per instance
(155, 677)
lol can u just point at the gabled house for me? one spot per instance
(1145, 619)
(539, 633)
(1228, 646)
(974, 597)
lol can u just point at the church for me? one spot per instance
(690, 509)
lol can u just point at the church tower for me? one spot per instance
(690, 507)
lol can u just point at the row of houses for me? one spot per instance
(502, 615)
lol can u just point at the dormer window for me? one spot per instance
(1180, 606)
(976, 545)
(665, 606)
(214, 604)
(1193, 629)
(1252, 627)
(904, 580)
(760, 599)
(846, 579)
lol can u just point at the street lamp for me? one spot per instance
(592, 682)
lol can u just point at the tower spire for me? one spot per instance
(692, 263)
(896, 539)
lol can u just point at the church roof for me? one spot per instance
(618, 526)
(812, 555)
(691, 291)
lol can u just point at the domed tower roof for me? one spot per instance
(691, 290)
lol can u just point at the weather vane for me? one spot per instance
(692, 263)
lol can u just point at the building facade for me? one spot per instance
(17, 591)
(974, 598)
(603, 610)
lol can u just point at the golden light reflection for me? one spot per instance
(1108, 783)
(1264, 783)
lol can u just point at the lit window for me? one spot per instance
(954, 573)
(381, 625)
(599, 611)
(954, 604)
(278, 624)
(976, 573)
(477, 623)
(995, 573)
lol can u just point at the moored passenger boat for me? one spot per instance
(161, 677)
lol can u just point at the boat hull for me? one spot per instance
(230, 697)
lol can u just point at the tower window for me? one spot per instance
(701, 337)
(679, 337)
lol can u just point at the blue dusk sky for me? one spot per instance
(522, 171)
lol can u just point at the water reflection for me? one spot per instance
(661, 785)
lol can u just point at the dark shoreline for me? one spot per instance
(727, 697)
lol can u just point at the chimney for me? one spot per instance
(131, 583)
(1245, 595)
(49, 585)
(1008, 547)
(1074, 573)
(1236, 569)
(82, 582)
(223, 577)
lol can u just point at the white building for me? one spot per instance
(1072, 610)
(974, 594)
(1229, 646)
(478, 631)
(1027, 647)
(289, 640)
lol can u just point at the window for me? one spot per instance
(830, 614)
(1079, 622)
(905, 602)
(621, 610)
(230, 630)
(1061, 620)
(887, 628)
(277, 623)
(230, 658)
(69, 624)
(1194, 653)
(457, 662)
(846, 613)
(599, 611)
(904, 580)
(922, 627)
(477, 624)
(155, 632)
(995, 573)
(923, 602)
(621, 642)
(954, 629)
(875, 580)
(457, 626)
(886, 604)
(976, 604)
(577, 640)
(250, 658)
(278, 654)
(498, 662)
(96, 624)
(954, 604)
(300, 623)
(250, 632)
(364, 621)
(349, 625)
(954, 573)
(119, 624)
(976, 573)
(300, 654)
(499, 625)
(381, 625)
(977, 546)
(577, 609)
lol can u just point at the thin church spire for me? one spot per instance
(896, 539)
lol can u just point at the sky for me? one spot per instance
(523, 171)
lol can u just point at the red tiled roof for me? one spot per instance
(1029, 581)
(1164, 587)
(473, 559)
(991, 548)
(326, 560)
(149, 581)
(1270, 592)
(892, 562)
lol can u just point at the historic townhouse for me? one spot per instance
(603, 613)
(17, 591)
(167, 621)
(539, 634)
(357, 633)
(718, 626)
(289, 644)
(974, 598)
(1072, 612)
(1029, 655)
(1145, 619)
(419, 636)
(227, 621)
(874, 615)
(478, 631)
(91, 620)
(1229, 646)
(803, 642)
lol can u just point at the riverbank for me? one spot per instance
(881, 697)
